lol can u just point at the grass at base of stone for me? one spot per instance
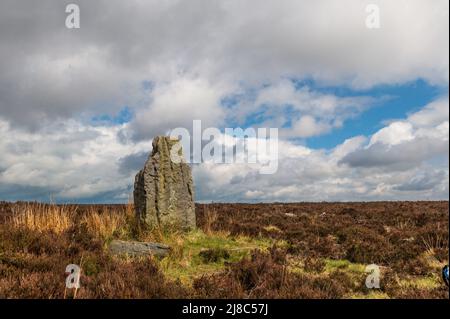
(185, 262)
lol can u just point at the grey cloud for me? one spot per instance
(236, 180)
(13, 192)
(132, 163)
(341, 184)
(424, 182)
(50, 72)
(397, 157)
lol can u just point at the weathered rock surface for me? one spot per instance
(164, 190)
(137, 249)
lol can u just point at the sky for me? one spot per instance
(362, 112)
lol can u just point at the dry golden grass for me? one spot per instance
(433, 242)
(106, 223)
(41, 217)
(102, 224)
(210, 218)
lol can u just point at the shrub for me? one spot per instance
(214, 255)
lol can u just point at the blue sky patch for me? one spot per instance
(395, 102)
(125, 115)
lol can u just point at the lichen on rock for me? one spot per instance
(164, 189)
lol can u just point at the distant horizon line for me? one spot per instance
(240, 202)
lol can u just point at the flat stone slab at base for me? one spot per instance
(138, 249)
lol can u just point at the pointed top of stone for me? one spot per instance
(163, 144)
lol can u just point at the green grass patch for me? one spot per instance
(187, 260)
(428, 282)
(373, 294)
(343, 265)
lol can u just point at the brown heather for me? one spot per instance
(306, 250)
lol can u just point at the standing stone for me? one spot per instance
(164, 190)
